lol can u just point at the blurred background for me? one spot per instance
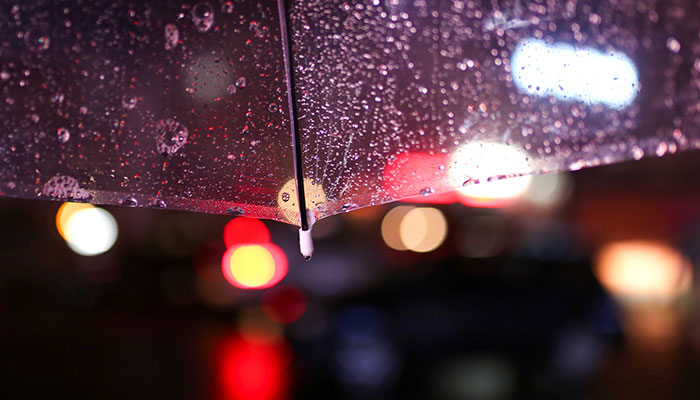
(577, 285)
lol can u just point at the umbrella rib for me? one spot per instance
(285, 29)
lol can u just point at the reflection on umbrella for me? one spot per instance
(269, 110)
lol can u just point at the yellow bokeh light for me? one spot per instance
(315, 200)
(643, 270)
(391, 225)
(252, 266)
(423, 229)
(64, 213)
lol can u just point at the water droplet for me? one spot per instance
(129, 102)
(129, 201)
(426, 191)
(348, 207)
(637, 152)
(157, 203)
(227, 7)
(673, 44)
(170, 136)
(307, 258)
(322, 207)
(231, 89)
(273, 108)
(241, 82)
(65, 187)
(4, 75)
(172, 36)
(203, 16)
(285, 197)
(235, 211)
(63, 135)
(36, 41)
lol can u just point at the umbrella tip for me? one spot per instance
(306, 243)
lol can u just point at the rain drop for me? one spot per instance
(36, 41)
(241, 82)
(129, 201)
(170, 136)
(637, 152)
(157, 203)
(235, 211)
(63, 135)
(673, 44)
(172, 36)
(322, 207)
(426, 191)
(227, 7)
(65, 187)
(203, 16)
(348, 207)
(129, 102)
(285, 197)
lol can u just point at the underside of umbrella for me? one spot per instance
(268, 109)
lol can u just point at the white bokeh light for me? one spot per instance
(90, 231)
(568, 72)
(484, 161)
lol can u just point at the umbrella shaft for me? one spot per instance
(285, 28)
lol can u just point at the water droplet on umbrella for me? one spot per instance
(172, 36)
(157, 203)
(129, 201)
(63, 135)
(231, 89)
(129, 102)
(426, 191)
(348, 207)
(65, 187)
(170, 136)
(241, 82)
(36, 41)
(203, 16)
(322, 207)
(227, 7)
(273, 107)
(235, 211)
(285, 197)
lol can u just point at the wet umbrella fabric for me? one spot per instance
(182, 105)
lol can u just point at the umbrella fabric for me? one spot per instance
(184, 105)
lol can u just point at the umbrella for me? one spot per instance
(298, 110)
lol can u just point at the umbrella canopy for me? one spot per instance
(239, 107)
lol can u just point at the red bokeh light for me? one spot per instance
(243, 230)
(252, 369)
(284, 304)
(410, 174)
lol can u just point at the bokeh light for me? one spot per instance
(643, 270)
(256, 266)
(287, 199)
(284, 304)
(492, 174)
(252, 369)
(423, 229)
(244, 230)
(391, 225)
(574, 73)
(87, 230)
